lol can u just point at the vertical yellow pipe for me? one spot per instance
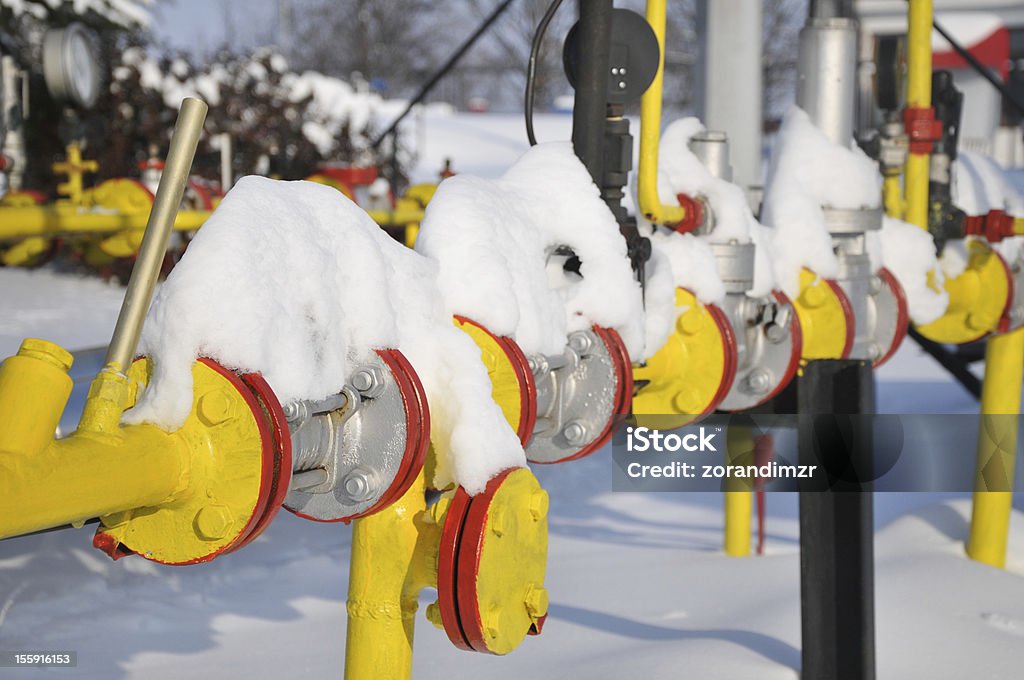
(738, 497)
(919, 95)
(650, 132)
(997, 445)
(892, 193)
(384, 581)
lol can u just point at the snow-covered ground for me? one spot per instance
(639, 585)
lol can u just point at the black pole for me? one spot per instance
(837, 594)
(589, 109)
(957, 366)
(443, 71)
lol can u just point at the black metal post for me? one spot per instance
(836, 526)
(589, 109)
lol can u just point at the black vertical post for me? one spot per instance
(836, 525)
(588, 113)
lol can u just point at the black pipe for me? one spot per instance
(981, 69)
(590, 106)
(837, 589)
(443, 71)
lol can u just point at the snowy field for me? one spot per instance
(639, 585)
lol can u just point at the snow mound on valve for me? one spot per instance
(293, 280)
(496, 243)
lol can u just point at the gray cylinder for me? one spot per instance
(712, 148)
(827, 71)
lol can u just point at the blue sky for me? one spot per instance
(200, 26)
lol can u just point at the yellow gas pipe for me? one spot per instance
(650, 132)
(919, 96)
(394, 556)
(997, 439)
(739, 501)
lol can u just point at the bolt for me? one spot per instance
(293, 410)
(580, 342)
(775, 333)
(814, 296)
(359, 485)
(875, 286)
(212, 522)
(976, 322)
(1017, 315)
(434, 615)
(685, 400)
(690, 322)
(575, 433)
(368, 381)
(536, 601)
(539, 503)
(496, 521)
(622, 84)
(758, 381)
(874, 351)
(215, 407)
(535, 366)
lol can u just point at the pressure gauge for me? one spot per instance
(71, 65)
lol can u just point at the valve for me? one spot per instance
(580, 395)
(358, 451)
(766, 330)
(491, 561)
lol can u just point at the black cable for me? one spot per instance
(443, 71)
(531, 71)
(980, 68)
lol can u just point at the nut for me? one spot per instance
(368, 381)
(215, 407)
(359, 485)
(536, 601)
(212, 522)
(539, 503)
(575, 433)
(758, 381)
(434, 615)
(580, 342)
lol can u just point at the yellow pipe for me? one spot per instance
(67, 220)
(919, 95)
(46, 483)
(650, 132)
(739, 500)
(997, 445)
(892, 193)
(394, 556)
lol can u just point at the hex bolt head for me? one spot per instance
(758, 381)
(775, 333)
(814, 296)
(875, 285)
(685, 401)
(496, 521)
(212, 522)
(293, 410)
(536, 601)
(1017, 315)
(874, 351)
(368, 381)
(575, 433)
(539, 503)
(690, 322)
(359, 485)
(434, 615)
(534, 365)
(580, 342)
(215, 407)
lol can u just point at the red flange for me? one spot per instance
(693, 214)
(902, 314)
(922, 128)
(447, 571)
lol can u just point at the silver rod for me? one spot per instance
(139, 293)
(226, 176)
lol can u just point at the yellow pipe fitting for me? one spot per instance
(34, 387)
(738, 494)
(978, 298)
(650, 132)
(824, 317)
(394, 556)
(919, 96)
(997, 446)
(892, 193)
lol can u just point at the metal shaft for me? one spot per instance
(158, 230)
(827, 71)
(589, 109)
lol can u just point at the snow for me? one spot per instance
(980, 185)
(807, 172)
(293, 280)
(693, 264)
(909, 253)
(127, 13)
(493, 239)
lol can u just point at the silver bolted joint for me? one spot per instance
(580, 342)
(359, 485)
(758, 381)
(575, 433)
